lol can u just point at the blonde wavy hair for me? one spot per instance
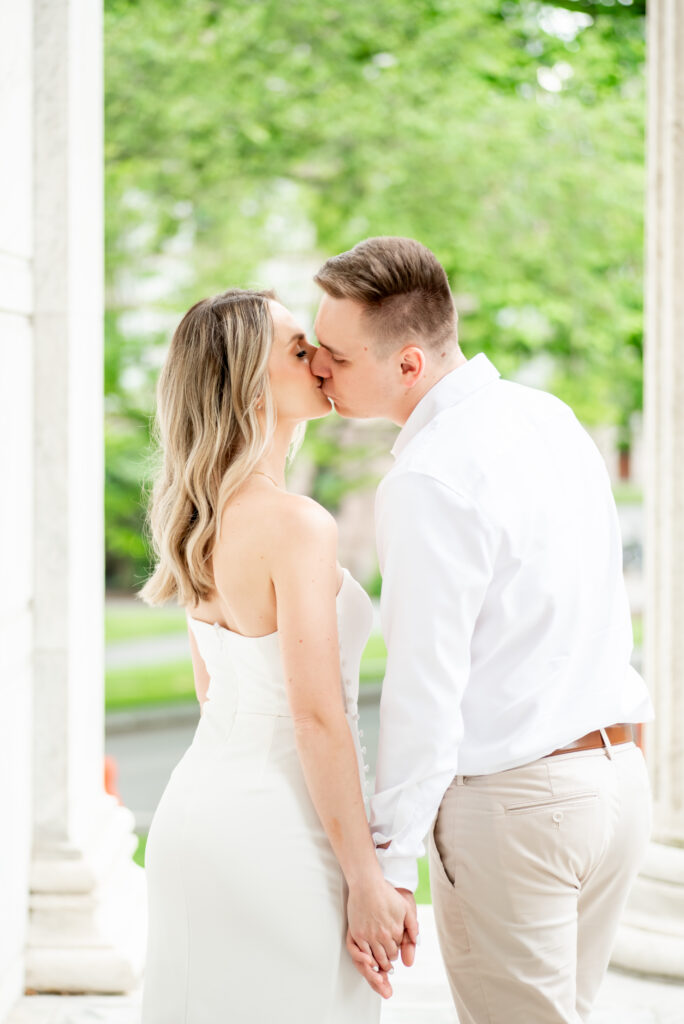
(208, 435)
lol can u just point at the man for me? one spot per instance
(506, 706)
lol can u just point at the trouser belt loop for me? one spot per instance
(606, 743)
(458, 779)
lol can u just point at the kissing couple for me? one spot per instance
(275, 894)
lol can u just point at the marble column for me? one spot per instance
(16, 452)
(86, 926)
(652, 936)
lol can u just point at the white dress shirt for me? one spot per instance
(503, 602)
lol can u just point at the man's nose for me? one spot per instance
(318, 366)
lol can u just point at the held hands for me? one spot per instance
(382, 922)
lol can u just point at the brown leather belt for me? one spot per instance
(616, 734)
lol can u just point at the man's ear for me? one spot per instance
(412, 364)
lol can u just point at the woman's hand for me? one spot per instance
(368, 969)
(379, 919)
(361, 952)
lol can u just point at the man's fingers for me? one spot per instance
(408, 951)
(411, 925)
(411, 917)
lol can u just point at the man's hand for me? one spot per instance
(410, 937)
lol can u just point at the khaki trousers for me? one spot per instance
(530, 869)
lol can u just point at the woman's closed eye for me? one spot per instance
(301, 353)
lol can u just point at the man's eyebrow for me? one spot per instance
(329, 348)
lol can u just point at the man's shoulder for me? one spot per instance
(425, 473)
(512, 397)
(467, 444)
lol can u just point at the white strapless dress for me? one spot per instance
(246, 899)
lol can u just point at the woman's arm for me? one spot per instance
(304, 573)
(201, 675)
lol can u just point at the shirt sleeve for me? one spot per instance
(435, 552)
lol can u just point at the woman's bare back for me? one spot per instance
(244, 599)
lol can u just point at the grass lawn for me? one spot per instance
(139, 855)
(422, 892)
(626, 493)
(638, 630)
(149, 684)
(128, 622)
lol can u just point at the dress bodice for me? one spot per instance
(246, 673)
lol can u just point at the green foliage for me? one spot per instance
(139, 855)
(504, 135)
(422, 893)
(165, 683)
(124, 623)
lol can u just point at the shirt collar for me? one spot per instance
(450, 389)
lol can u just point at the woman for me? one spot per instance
(259, 853)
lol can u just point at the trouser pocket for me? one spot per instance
(559, 803)
(446, 897)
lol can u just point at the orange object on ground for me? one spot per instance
(111, 775)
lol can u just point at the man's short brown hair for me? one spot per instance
(401, 285)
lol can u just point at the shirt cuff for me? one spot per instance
(399, 871)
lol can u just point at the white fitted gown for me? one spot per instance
(246, 899)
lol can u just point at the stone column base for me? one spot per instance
(651, 936)
(88, 912)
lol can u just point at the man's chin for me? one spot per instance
(343, 410)
(346, 412)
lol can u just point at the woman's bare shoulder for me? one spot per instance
(304, 537)
(299, 519)
(278, 517)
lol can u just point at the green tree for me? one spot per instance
(506, 136)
